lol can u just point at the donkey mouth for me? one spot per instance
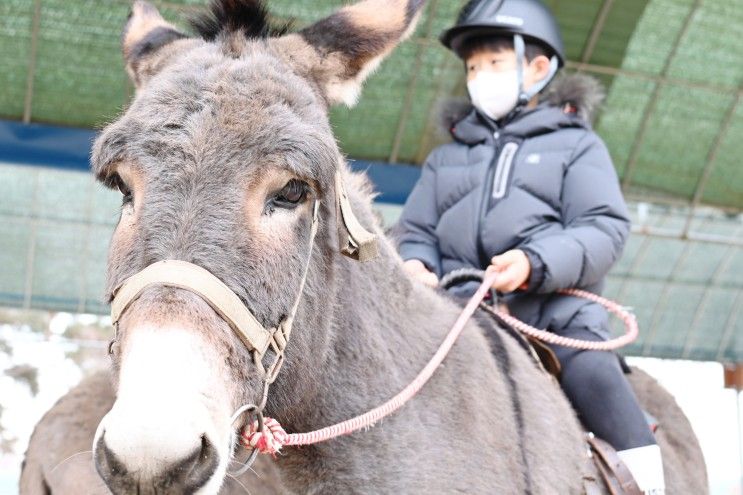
(185, 476)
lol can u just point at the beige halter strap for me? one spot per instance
(184, 275)
(355, 242)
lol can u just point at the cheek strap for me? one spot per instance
(355, 241)
(525, 96)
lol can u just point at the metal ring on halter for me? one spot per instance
(252, 410)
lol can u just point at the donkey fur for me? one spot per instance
(211, 131)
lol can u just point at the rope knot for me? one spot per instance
(268, 441)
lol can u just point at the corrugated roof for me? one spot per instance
(673, 68)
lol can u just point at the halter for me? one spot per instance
(355, 242)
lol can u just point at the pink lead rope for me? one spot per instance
(273, 437)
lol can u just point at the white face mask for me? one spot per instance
(494, 93)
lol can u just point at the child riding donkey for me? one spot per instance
(528, 190)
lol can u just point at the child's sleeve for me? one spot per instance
(595, 224)
(417, 225)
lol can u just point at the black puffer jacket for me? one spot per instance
(543, 183)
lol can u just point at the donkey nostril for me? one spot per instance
(195, 470)
(111, 469)
(185, 476)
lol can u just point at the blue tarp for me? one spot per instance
(68, 148)
(42, 145)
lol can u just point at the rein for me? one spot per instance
(265, 435)
(630, 322)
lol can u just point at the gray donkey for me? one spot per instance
(220, 159)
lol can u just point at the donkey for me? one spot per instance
(226, 160)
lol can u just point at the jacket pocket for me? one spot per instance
(503, 169)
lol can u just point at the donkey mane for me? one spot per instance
(251, 18)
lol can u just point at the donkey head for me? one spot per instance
(220, 159)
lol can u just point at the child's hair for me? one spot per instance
(501, 42)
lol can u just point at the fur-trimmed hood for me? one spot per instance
(578, 95)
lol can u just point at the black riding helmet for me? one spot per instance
(528, 18)
(521, 19)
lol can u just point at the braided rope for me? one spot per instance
(250, 437)
(273, 437)
(268, 441)
(630, 323)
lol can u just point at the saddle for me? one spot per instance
(614, 472)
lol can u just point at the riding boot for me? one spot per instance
(646, 465)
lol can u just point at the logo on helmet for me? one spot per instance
(509, 19)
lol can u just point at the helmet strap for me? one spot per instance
(525, 96)
(520, 49)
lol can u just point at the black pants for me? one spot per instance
(600, 393)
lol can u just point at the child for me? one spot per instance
(528, 189)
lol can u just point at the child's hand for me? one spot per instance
(513, 270)
(417, 270)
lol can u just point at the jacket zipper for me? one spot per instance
(496, 184)
(503, 170)
(487, 190)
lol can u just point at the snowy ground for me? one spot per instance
(40, 361)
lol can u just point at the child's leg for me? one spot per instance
(606, 404)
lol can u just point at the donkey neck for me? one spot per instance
(378, 341)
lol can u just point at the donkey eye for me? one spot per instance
(293, 193)
(123, 188)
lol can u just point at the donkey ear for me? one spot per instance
(145, 37)
(351, 43)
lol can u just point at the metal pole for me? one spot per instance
(598, 27)
(691, 333)
(710, 163)
(615, 71)
(412, 84)
(659, 199)
(740, 438)
(660, 306)
(31, 254)
(691, 236)
(730, 325)
(31, 74)
(85, 264)
(650, 108)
